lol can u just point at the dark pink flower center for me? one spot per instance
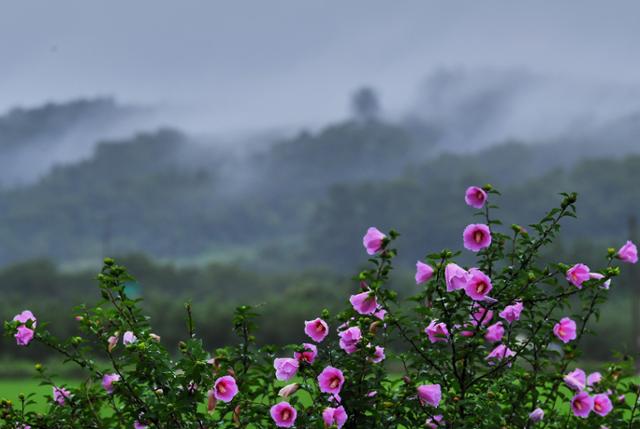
(286, 414)
(334, 383)
(481, 287)
(478, 236)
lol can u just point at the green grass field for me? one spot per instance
(11, 388)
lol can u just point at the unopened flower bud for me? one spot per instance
(155, 337)
(288, 390)
(236, 415)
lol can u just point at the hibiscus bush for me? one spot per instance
(492, 345)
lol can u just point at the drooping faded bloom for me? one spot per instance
(286, 368)
(511, 313)
(430, 394)
(576, 379)
(437, 332)
(112, 342)
(475, 197)
(284, 415)
(60, 395)
(628, 253)
(378, 355)
(599, 276)
(331, 380)
(602, 404)
(582, 404)
(316, 329)
(578, 274)
(334, 417)
(476, 237)
(108, 380)
(565, 330)
(364, 303)
(499, 353)
(129, 338)
(435, 421)
(424, 272)
(494, 333)
(481, 315)
(308, 355)
(455, 277)
(372, 240)
(594, 378)
(478, 285)
(536, 415)
(24, 335)
(349, 339)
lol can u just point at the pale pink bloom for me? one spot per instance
(599, 276)
(112, 342)
(499, 353)
(331, 380)
(129, 338)
(536, 415)
(26, 316)
(476, 236)
(628, 253)
(108, 380)
(576, 379)
(288, 390)
(138, 425)
(316, 329)
(378, 355)
(602, 404)
(430, 394)
(494, 333)
(481, 314)
(349, 339)
(582, 404)
(364, 303)
(466, 333)
(24, 335)
(286, 368)
(225, 388)
(475, 197)
(594, 378)
(578, 274)
(437, 331)
(334, 416)
(308, 355)
(511, 313)
(455, 277)
(372, 240)
(565, 330)
(372, 394)
(478, 286)
(284, 415)
(380, 313)
(435, 421)
(60, 395)
(424, 272)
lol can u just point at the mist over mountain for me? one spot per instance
(32, 140)
(474, 109)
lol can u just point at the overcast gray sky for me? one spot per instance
(257, 64)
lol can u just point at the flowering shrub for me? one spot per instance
(488, 346)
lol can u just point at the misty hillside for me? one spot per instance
(169, 194)
(33, 140)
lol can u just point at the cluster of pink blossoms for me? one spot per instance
(582, 404)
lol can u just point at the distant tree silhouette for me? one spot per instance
(365, 104)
